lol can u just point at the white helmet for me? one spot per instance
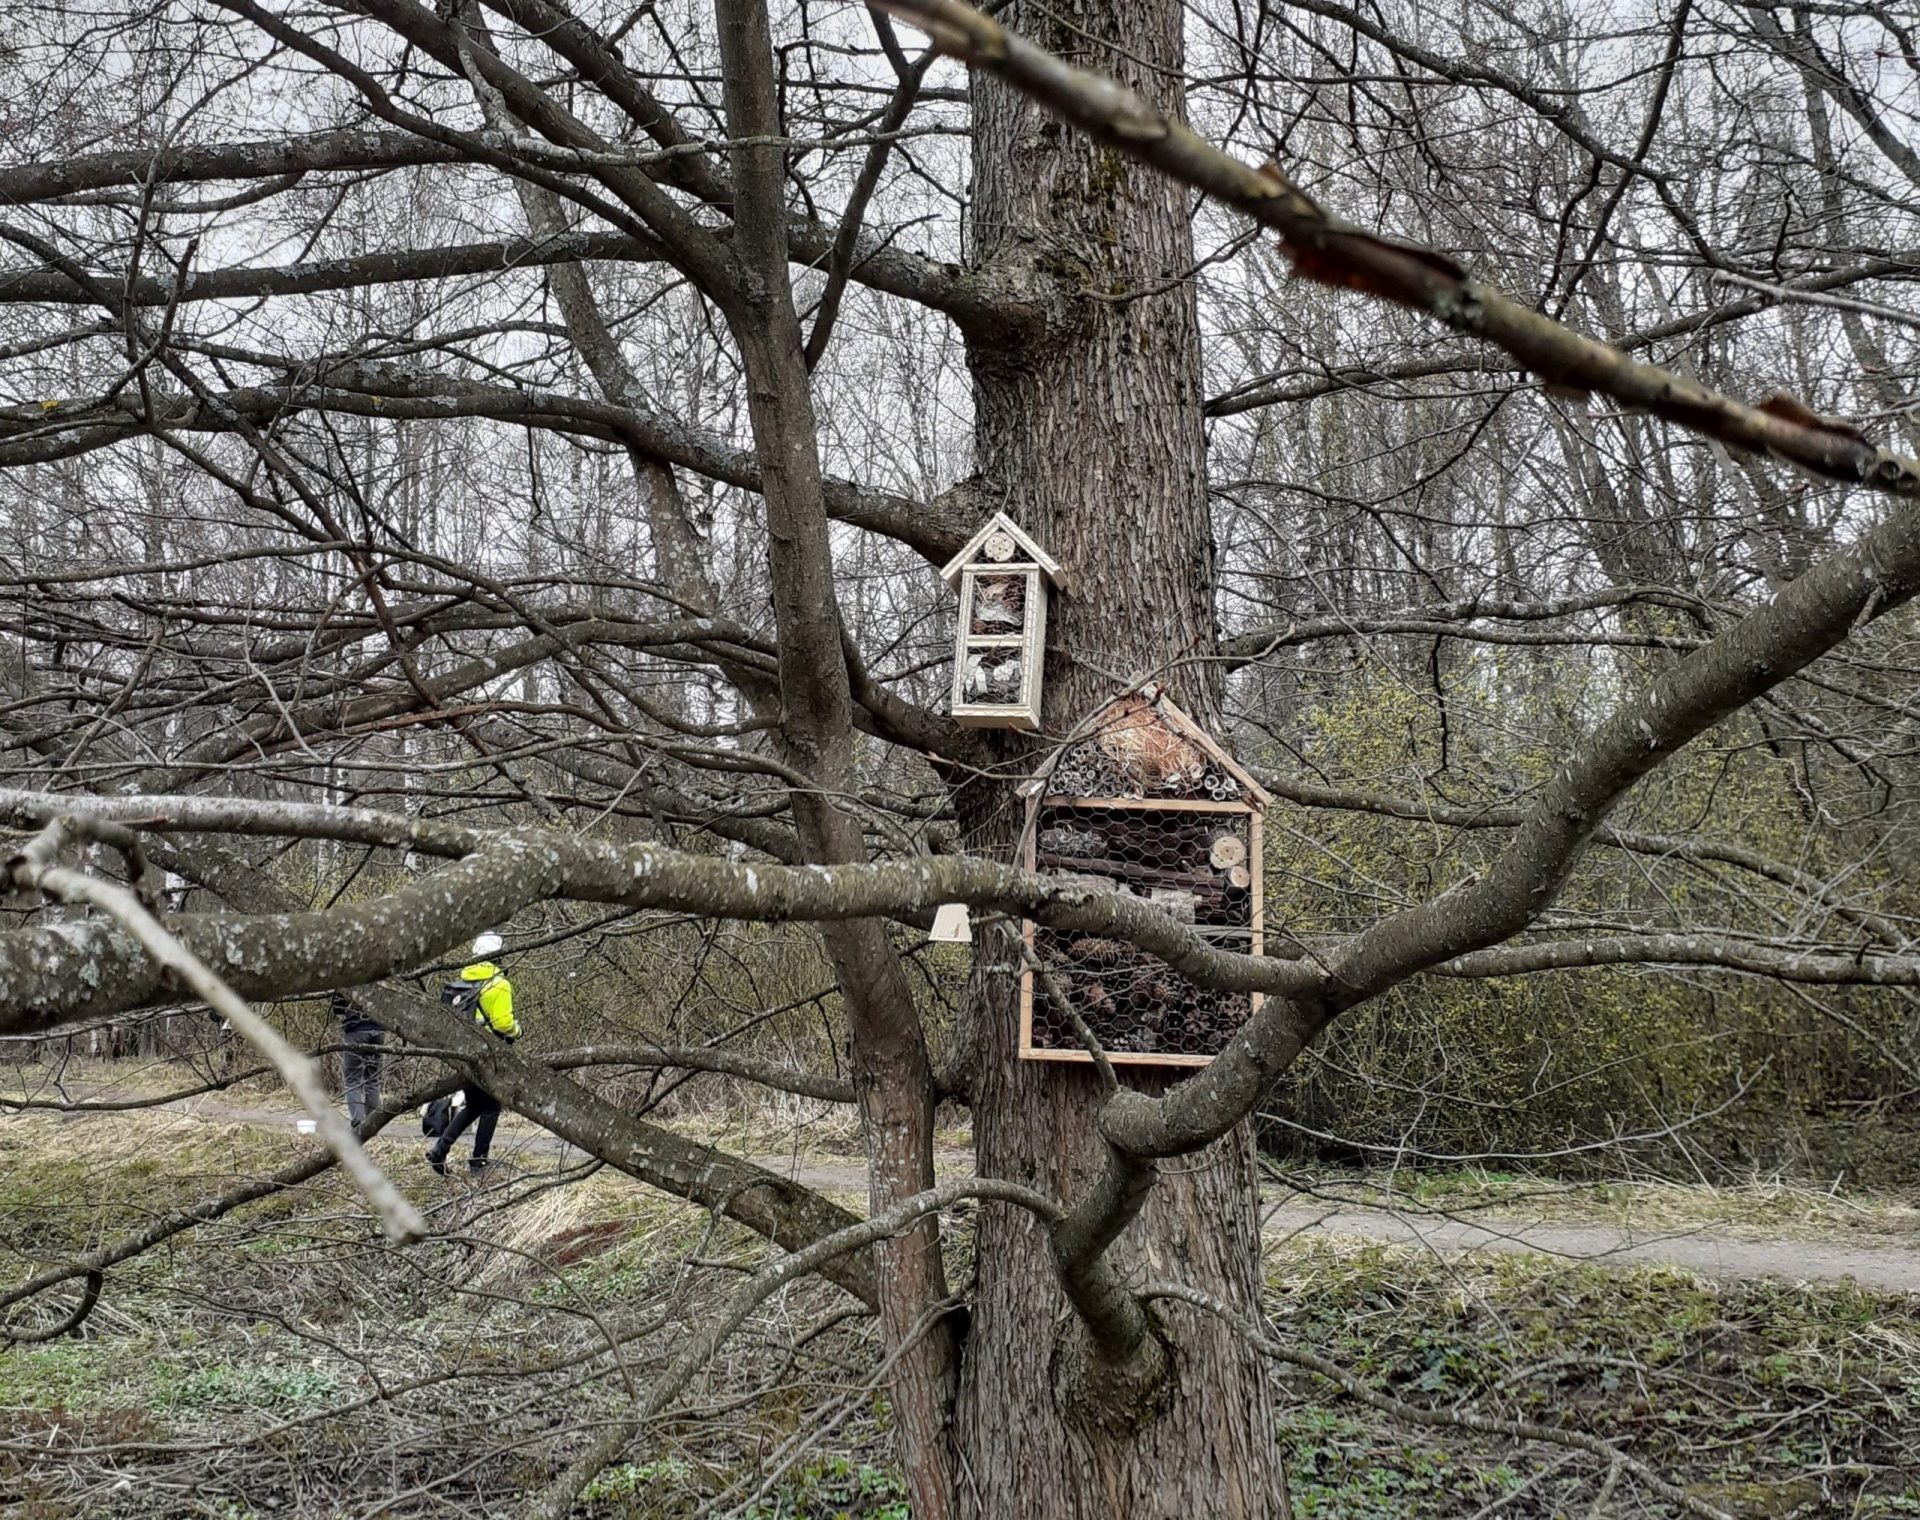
(487, 944)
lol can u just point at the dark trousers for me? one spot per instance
(360, 1071)
(482, 1110)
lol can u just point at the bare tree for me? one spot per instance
(486, 460)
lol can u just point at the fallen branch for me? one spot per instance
(89, 1296)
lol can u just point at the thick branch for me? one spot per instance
(1273, 390)
(1326, 249)
(644, 875)
(74, 969)
(32, 870)
(1824, 967)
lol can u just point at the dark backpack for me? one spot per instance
(463, 998)
(438, 1116)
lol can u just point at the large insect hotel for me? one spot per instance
(1148, 805)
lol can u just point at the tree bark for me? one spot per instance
(1090, 435)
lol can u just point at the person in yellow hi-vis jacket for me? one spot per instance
(482, 992)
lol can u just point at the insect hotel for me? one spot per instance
(1004, 579)
(1147, 805)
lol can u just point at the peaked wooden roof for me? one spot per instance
(1049, 566)
(1170, 715)
(1177, 720)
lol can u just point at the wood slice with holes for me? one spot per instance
(1227, 851)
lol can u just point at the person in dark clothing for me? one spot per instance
(360, 1061)
(481, 1110)
(482, 992)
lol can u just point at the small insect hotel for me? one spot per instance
(1146, 804)
(1004, 579)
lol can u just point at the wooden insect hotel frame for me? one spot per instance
(1000, 645)
(1146, 804)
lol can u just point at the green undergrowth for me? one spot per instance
(1765, 1398)
(832, 1488)
(1740, 1390)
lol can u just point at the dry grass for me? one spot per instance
(83, 1079)
(292, 1314)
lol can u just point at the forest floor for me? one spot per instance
(260, 1365)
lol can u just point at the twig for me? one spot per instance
(809, 1436)
(1416, 1414)
(1326, 249)
(1515, 1495)
(1789, 296)
(1056, 994)
(1606, 1492)
(32, 869)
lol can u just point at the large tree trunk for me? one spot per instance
(1091, 437)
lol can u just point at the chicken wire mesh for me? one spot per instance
(1193, 863)
(999, 605)
(994, 677)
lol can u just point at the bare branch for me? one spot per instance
(32, 870)
(1327, 249)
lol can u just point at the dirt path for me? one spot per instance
(1711, 1252)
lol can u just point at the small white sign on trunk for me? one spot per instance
(951, 925)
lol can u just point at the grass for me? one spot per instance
(1769, 1399)
(66, 1184)
(86, 1079)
